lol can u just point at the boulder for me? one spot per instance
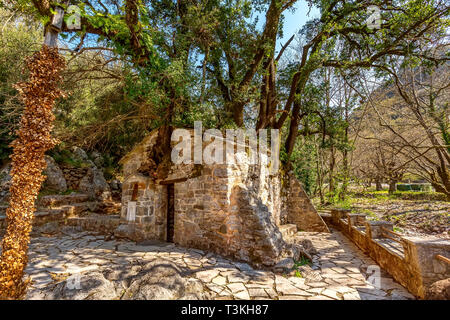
(97, 159)
(284, 265)
(159, 279)
(55, 177)
(80, 154)
(162, 279)
(307, 246)
(439, 290)
(89, 286)
(95, 185)
(295, 251)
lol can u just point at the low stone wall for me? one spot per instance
(73, 176)
(40, 218)
(95, 222)
(411, 261)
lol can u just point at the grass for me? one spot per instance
(66, 157)
(400, 195)
(47, 192)
(302, 262)
(378, 197)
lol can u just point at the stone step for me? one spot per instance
(43, 215)
(109, 207)
(288, 230)
(69, 210)
(40, 217)
(62, 200)
(78, 208)
(56, 213)
(96, 222)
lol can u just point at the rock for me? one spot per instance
(162, 280)
(243, 266)
(308, 247)
(50, 228)
(284, 265)
(90, 163)
(89, 286)
(4, 174)
(310, 274)
(207, 275)
(115, 185)
(80, 154)
(295, 251)
(97, 159)
(55, 177)
(95, 185)
(440, 290)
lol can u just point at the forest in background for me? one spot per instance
(355, 106)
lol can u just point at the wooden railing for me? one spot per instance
(387, 233)
(442, 258)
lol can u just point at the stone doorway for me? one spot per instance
(170, 212)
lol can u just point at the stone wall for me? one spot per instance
(73, 176)
(298, 208)
(410, 260)
(150, 207)
(229, 210)
(232, 209)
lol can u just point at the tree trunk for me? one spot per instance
(293, 131)
(319, 175)
(392, 186)
(345, 157)
(345, 175)
(331, 172)
(33, 140)
(378, 185)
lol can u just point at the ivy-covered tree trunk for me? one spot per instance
(33, 140)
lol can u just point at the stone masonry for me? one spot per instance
(234, 210)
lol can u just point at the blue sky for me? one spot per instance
(294, 21)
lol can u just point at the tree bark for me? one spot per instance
(331, 172)
(378, 186)
(392, 186)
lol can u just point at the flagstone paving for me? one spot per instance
(338, 271)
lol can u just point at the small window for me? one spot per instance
(135, 192)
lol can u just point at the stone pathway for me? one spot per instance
(337, 272)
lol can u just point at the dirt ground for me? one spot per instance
(410, 217)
